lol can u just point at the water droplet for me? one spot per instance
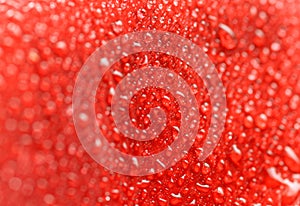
(117, 26)
(11, 124)
(261, 121)
(143, 183)
(227, 37)
(49, 199)
(218, 195)
(33, 56)
(275, 46)
(259, 38)
(61, 48)
(141, 13)
(104, 62)
(248, 121)
(175, 199)
(15, 183)
(291, 159)
(236, 154)
(202, 187)
(294, 102)
(84, 117)
(206, 168)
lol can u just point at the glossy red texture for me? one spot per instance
(255, 46)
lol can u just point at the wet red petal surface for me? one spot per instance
(256, 49)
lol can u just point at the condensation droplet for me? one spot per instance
(261, 121)
(294, 102)
(49, 199)
(227, 37)
(275, 46)
(15, 183)
(259, 38)
(248, 121)
(117, 26)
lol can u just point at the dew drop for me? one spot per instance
(259, 38)
(202, 187)
(275, 46)
(49, 199)
(117, 26)
(248, 121)
(236, 154)
(294, 102)
(143, 183)
(227, 36)
(261, 121)
(206, 168)
(175, 199)
(2, 83)
(141, 13)
(15, 183)
(104, 62)
(61, 48)
(291, 159)
(33, 56)
(218, 195)
(83, 117)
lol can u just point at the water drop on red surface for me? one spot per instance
(255, 49)
(236, 154)
(275, 46)
(292, 159)
(261, 121)
(294, 102)
(61, 48)
(176, 199)
(227, 36)
(49, 199)
(33, 56)
(259, 38)
(117, 26)
(218, 195)
(206, 168)
(248, 121)
(202, 187)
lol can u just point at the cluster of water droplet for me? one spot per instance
(255, 47)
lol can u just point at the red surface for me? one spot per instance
(44, 44)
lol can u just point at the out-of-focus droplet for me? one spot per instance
(294, 102)
(49, 199)
(2, 83)
(248, 121)
(275, 46)
(259, 38)
(15, 184)
(61, 48)
(261, 121)
(33, 56)
(262, 19)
